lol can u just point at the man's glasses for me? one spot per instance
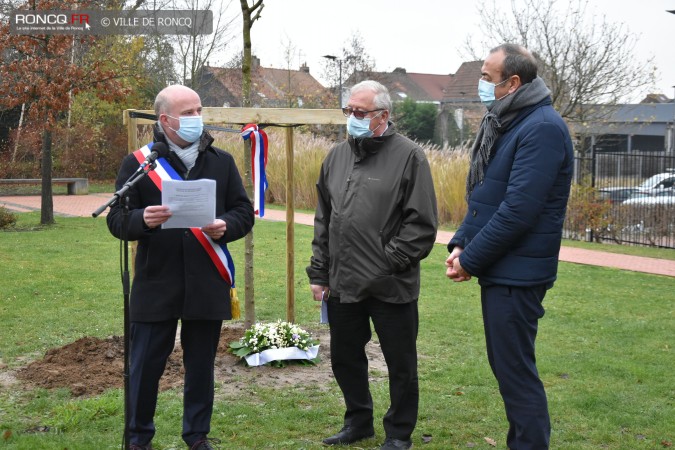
(348, 111)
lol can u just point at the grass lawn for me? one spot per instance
(605, 353)
(649, 252)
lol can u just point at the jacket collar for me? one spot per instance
(362, 147)
(523, 113)
(205, 141)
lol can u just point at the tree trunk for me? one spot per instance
(249, 293)
(18, 132)
(47, 207)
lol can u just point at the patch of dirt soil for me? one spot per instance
(91, 365)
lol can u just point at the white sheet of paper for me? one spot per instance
(192, 202)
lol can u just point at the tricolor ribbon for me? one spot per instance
(217, 252)
(259, 144)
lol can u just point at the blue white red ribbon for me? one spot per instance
(218, 253)
(259, 145)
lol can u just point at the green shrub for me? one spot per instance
(586, 211)
(7, 218)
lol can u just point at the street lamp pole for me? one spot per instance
(461, 122)
(671, 147)
(339, 61)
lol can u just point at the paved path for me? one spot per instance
(84, 205)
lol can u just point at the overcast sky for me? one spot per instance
(427, 36)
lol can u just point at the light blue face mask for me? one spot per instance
(360, 128)
(486, 91)
(190, 128)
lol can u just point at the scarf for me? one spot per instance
(188, 154)
(495, 121)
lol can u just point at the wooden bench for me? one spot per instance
(76, 186)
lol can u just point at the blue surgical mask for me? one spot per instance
(190, 128)
(486, 91)
(360, 128)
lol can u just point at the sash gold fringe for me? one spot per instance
(234, 304)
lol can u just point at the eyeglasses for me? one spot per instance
(348, 111)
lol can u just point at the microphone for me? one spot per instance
(159, 150)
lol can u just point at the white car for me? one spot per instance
(662, 197)
(658, 189)
(658, 182)
(661, 182)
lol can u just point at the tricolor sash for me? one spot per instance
(217, 252)
(258, 164)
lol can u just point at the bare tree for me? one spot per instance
(235, 61)
(585, 60)
(354, 59)
(355, 56)
(157, 56)
(289, 52)
(193, 51)
(249, 15)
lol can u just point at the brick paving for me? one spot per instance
(85, 205)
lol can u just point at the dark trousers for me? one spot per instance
(510, 318)
(396, 327)
(150, 346)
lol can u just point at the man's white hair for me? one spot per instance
(382, 99)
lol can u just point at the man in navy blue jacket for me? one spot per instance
(517, 191)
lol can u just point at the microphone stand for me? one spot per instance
(121, 197)
(133, 179)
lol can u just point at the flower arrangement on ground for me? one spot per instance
(276, 343)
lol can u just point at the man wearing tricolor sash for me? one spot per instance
(180, 274)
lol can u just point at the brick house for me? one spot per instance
(455, 96)
(270, 88)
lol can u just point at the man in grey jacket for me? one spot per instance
(375, 221)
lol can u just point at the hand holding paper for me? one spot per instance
(215, 230)
(155, 215)
(192, 203)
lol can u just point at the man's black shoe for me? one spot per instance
(140, 447)
(396, 444)
(348, 435)
(205, 444)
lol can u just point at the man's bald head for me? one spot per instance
(172, 103)
(168, 96)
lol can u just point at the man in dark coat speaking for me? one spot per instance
(180, 273)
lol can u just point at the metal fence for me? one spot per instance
(624, 198)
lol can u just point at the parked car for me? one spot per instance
(661, 182)
(662, 197)
(658, 182)
(616, 195)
